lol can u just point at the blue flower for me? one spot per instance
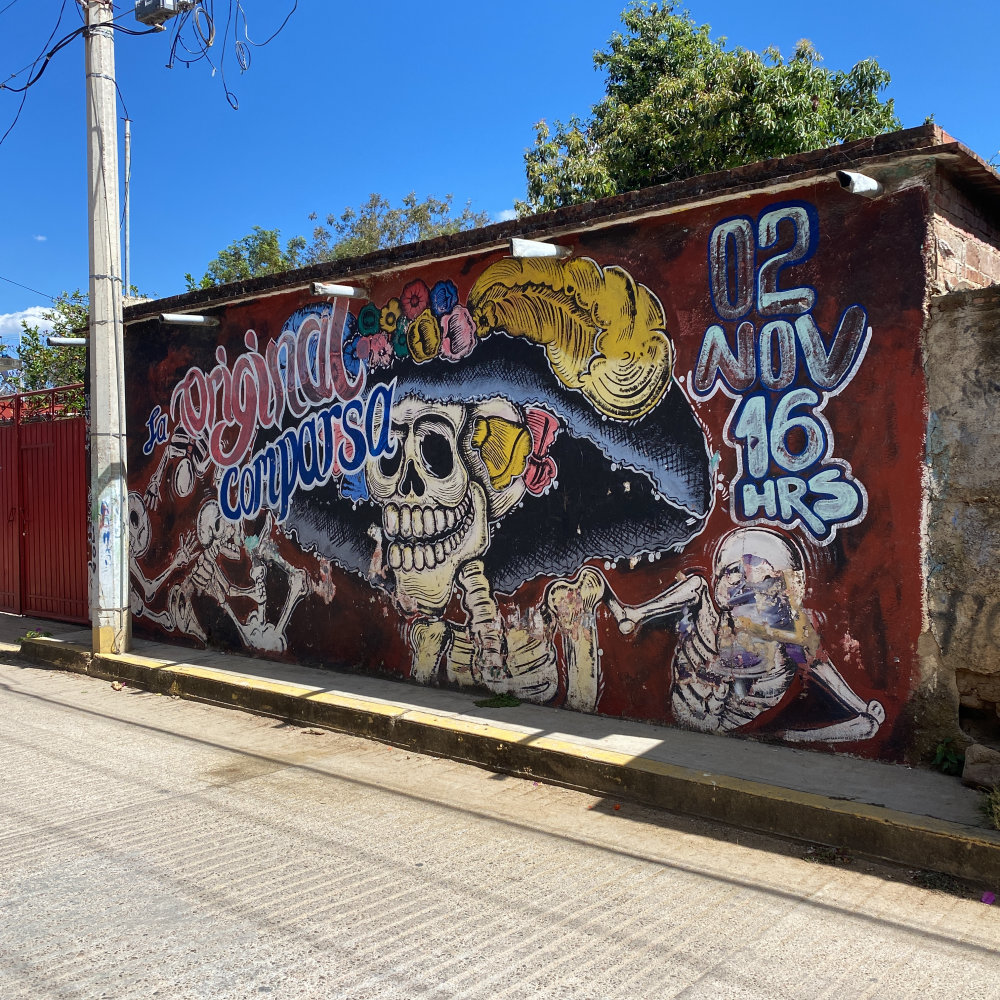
(444, 298)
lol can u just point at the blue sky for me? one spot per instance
(389, 97)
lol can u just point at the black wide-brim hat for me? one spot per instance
(624, 488)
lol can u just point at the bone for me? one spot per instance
(428, 638)
(573, 604)
(686, 591)
(485, 624)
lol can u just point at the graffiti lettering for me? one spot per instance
(299, 370)
(330, 442)
(781, 371)
(157, 427)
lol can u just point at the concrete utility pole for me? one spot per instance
(109, 599)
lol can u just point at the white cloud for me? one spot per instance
(40, 239)
(505, 216)
(10, 323)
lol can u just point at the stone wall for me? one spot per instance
(966, 241)
(962, 357)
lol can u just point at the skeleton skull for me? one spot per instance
(434, 513)
(138, 526)
(755, 571)
(215, 532)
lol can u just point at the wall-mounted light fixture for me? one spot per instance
(66, 341)
(535, 248)
(861, 184)
(188, 319)
(338, 291)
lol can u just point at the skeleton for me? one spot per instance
(738, 656)
(439, 490)
(207, 578)
(193, 460)
(139, 538)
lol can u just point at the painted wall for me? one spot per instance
(674, 477)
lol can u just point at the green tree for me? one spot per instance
(678, 103)
(256, 254)
(373, 225)
(376, 225)
(43, 367)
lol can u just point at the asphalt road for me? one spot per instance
(151, 847)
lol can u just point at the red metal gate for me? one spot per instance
(44, 549)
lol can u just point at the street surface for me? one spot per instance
(152, 847)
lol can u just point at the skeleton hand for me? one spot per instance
(186, 549)
(259, 591)
(151, 498)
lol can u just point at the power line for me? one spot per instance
(11, 281)
(8, 7)
(24, 95)
(61, 44)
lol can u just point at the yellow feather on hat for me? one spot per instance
(603, 332)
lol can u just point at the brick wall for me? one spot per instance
(967, 241)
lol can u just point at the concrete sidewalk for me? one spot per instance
(910, 816)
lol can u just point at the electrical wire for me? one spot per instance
(28, 288)
(24, 95)
(272, 37)
(8, 7)
(191, 46)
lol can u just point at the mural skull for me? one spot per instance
(434, 515)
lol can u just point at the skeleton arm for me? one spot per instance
(865, 723)
(184, 554)
(687, 591)
(485, 624)
(573, 606)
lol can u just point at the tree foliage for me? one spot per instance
(258, 253)
(376, 225)
(678, 103)
(43, 367)
(373, 225)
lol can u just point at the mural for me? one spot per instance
(513, 476)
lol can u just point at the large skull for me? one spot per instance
(433, 511)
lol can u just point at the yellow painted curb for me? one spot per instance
(895, 836)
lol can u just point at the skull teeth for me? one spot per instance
(406, 553)
(402, 522)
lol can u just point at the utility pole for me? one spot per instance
(109, 597)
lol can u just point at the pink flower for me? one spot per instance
(380, 354)
(415, 299)
(459, 330)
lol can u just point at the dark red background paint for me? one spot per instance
(864, 588)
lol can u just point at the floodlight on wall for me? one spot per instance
(535, 248)
(338, 291)
(66, 341)
(861, 184)
(189, 319)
